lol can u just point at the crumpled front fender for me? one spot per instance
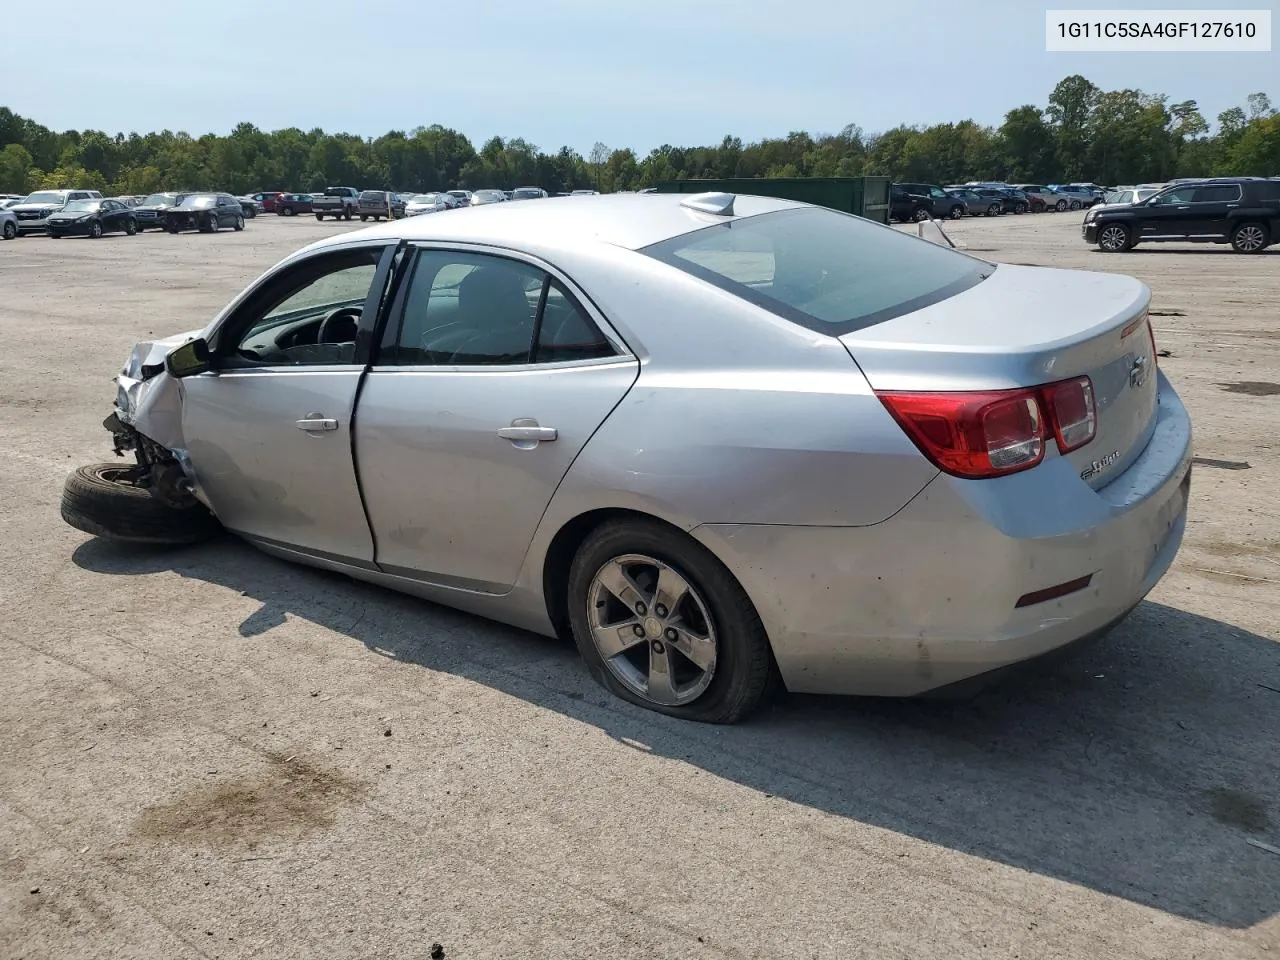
(148, 398)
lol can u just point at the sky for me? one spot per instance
(572, 72)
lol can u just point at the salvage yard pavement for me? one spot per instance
(209, 752)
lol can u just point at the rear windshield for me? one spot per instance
(828, 271)
(372, 195)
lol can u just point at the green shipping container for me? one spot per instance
(865, 196)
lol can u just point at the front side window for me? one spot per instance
(309, 314)
(938, 193)
(827, 271)
(1181, 195)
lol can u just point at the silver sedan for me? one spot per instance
(720, 441)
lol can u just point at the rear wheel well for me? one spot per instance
(564, 545)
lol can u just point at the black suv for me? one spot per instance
(905, 205)
(1241, 211)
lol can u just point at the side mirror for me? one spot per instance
(189, 359)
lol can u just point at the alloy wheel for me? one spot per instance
(652, 629)
(1114, 238)
(1249, 238)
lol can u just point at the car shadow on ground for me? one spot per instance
(1138, 767)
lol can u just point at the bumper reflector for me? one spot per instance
(1052, 593)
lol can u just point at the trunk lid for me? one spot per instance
(1027, 326)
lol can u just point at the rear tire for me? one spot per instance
(319, 216)
(239, 224)
(100, 499)
(920, 215)
(1250, 238)
(1061, 206)
(364, 217)
(346, 215)
(10, 230)
(993, 210)
(130, 227)
(743, 671)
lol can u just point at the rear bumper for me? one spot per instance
(929, 597)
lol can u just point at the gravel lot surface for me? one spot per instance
(207, 752)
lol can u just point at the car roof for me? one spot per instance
(631, 221)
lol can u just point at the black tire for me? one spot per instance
(239, 224)
(95, 230)
(1061, 206)
(319, 216)
(1115, 238)
(289, 211)
(920, 214)
(993, 210)
(744, 672)
(364, 217)
(1250, 237)
(130, 228)
(956, 212)
(250, 212)
(10, 230)
(1020, 207)
(98, 499)
(346, 214)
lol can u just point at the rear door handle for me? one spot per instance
(528, 430)
(316, 424)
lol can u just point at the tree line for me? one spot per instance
(1083, 133)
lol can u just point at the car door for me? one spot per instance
(108, 215)
(492, 377)
(1210, 205)
(1168, 214)
(268, 429)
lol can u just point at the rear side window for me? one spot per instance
(828, 271)
(1220, 193)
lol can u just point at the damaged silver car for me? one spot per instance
(722, 442)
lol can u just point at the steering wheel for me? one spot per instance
(333, 317)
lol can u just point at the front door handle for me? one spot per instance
(528, 431)
(316, 424)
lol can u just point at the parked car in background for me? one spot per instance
(92, 218)
(380, 204)
(942, 201)
(422, 203)
(268, 199)
(8, 224)
(9, 196)
(337, 202)
(131, 201)
(997, 195)
(1123, 195)
(905, 206)
(292, 204)
(480, 197)
(1241, 211)
(8, 202)
(461, 197)
(528, 193)
(150, 213)
(779, 538)
(1040, 197)
(206, 212)
(584, 193)
(508, 194)
(251, 207)
(975, 204)
(34, 210)
(1077, 198)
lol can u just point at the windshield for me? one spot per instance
(157, 199)
(82, 206)
(47, 196)
(827, 271)
(372, 195)
(527, 192)
(200, 200)
(427, 198)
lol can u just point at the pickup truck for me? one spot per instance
(376, 204)
(341, 203)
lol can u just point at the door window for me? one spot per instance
(565, 332)
(1182, 195)
(309, 314)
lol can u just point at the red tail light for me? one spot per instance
(990, 433)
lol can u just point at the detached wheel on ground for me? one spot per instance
(104, 499)
(1114, 238)
(660, 622)
(1249, 238)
